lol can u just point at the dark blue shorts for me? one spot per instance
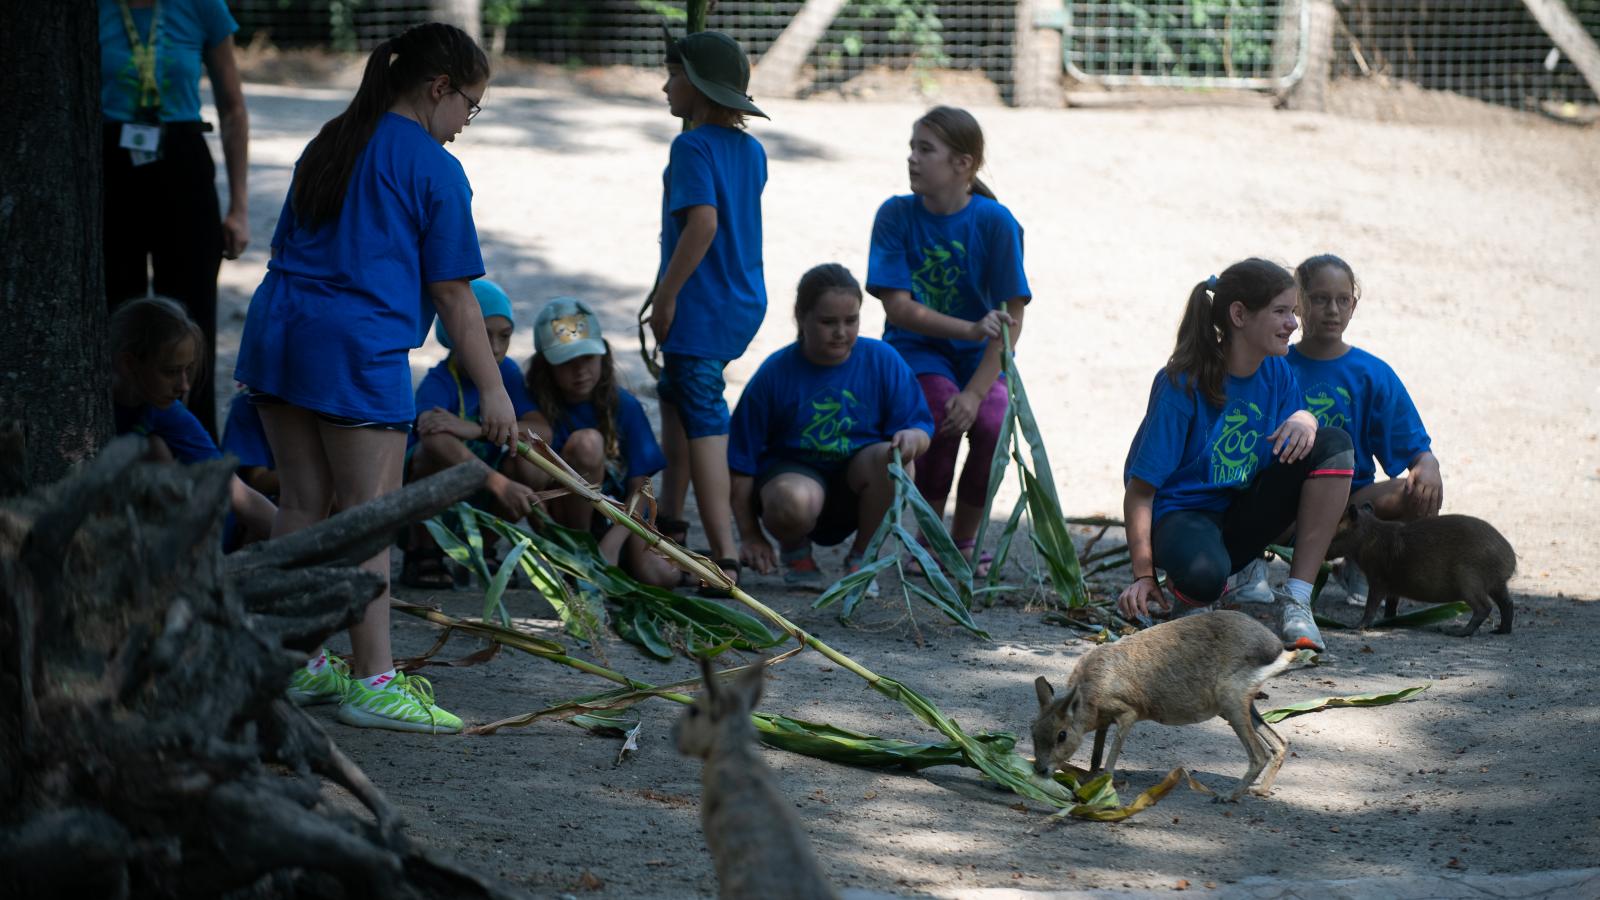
(695, 387)
(841, 507)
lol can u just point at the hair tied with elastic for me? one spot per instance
(1211, 283)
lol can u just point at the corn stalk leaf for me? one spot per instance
(955, 611)
(1002, 450)
(944, 596)
(1444, 612)
(1321, 703)
(607, 722)
(849, 584)
(1053, 542)
(931, 524)
(1002, 549)
(1100, 810)
(494, 594)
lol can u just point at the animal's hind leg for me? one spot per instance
(1277, 746)
(1480, 611)
(1239, 718)
(1502, 599)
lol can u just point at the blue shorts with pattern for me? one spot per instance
(695, 387)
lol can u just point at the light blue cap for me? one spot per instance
(567, 329)
(491, 299)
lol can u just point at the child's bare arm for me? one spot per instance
(903, 311)
(699, 229)
(755, 550)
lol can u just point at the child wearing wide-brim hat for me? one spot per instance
(710, 294)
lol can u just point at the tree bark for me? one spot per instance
(54, 378)
(146, 746)
(778, 72)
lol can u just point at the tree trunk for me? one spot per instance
(54, 378)
(146, 746)
(778, 72)
(466, 15)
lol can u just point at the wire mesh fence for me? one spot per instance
(1490, 49)
(1493, 50)
(1187, 43)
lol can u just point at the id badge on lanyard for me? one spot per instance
(142, 139)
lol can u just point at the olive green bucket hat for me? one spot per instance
(716, 65)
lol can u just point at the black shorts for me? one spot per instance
(840, 506)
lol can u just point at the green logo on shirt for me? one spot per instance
(827, 435)
(1331, 406)
(1233, 454)
(935, 281)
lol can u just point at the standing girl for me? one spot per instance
(1349, 387)
(815, 431)
(160, 212)
(376, 234)
(710, 294)
(946, 261)
(1227, 459)
(600, 429)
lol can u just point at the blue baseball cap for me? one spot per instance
(567, 329)
(491, 299)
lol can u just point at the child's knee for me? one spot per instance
(584, 449)
(791, 501)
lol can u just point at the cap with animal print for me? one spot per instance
(567, 329)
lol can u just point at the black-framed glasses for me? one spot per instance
(472, 107)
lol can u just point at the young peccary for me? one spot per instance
(1176, 673)
(1435, 560)
(756, 842)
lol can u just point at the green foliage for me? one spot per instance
(1197, 38)
(913, 23)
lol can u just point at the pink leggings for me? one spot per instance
(937, 467)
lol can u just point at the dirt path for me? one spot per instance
(1475, 244)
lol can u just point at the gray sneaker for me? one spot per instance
(1249, 585)
(1349, 576)
(1297, 626)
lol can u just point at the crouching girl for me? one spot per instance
(815, 430)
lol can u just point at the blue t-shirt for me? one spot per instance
(636, 440)
(796, 410)
(455, 393)
(1197, 454)
(1361, 394)
(243, 435)
(721, 306)
(963, 265)
(176, 425)
(332, 325)
(189, 28)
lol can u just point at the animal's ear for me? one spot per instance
(710, 679)
(1071, 702)
(1045, 691)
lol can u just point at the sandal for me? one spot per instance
(425, 569)
(717, 593)
(985, 559)
(674, 530)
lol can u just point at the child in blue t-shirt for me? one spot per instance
(815, 430)
(375, 237)
(710, 294)
(155, 351)
(1227, 459)
(1349, 387)
(449, 431)
(600, 429)
(946, 260)
(243, 437)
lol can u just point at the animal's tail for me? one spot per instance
(1285, 660)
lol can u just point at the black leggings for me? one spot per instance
(164, 215)
(1199, 549)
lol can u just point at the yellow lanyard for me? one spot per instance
(461, 393)
(143, 56)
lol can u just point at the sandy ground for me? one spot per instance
(1475, 239)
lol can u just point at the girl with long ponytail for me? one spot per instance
(1227, 458)
(375, 237)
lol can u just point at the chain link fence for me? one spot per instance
(1493, 50)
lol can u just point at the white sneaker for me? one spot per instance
(1297, 625)
(1350, 577)
(1249, 585)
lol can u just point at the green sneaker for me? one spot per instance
(327, 686)
(404, 704)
